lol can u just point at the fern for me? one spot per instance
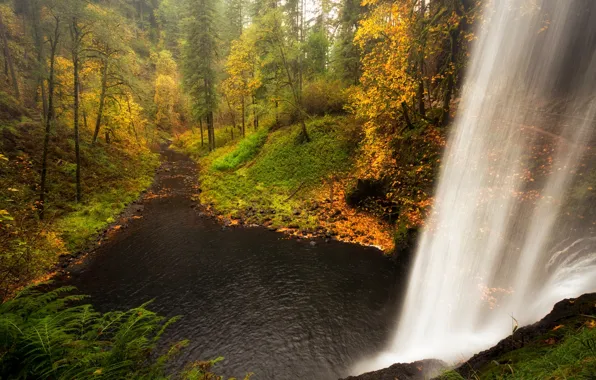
(51, 335)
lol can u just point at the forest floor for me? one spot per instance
(274, 180)
(113, 175)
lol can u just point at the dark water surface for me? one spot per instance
(280, 308)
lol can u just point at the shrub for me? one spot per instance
(42, 337)
(323, 97)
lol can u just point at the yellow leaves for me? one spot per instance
(243, 70)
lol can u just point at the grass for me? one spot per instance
(566, 353)
(81, 225)
(246, 150)
(112, 176)
(273, 172)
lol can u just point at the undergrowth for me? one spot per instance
(566, 353)
(54, 335)
(112, 176)
(273, 172)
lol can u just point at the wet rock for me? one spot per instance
(420, 370)
(563, 313)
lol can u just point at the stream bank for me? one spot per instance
(561, 345)
(247, 294)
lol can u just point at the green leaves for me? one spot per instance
(43, 336)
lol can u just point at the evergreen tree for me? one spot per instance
(346, 54)
(199, 60)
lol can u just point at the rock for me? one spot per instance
(420, 370)
(563, 313)
(313, 243)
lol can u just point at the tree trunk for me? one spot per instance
(243, 118)
(9, 63)
(49, 120)
(75, 62)
(277, 114)
(210, 131)
(255, 117)
(404, 109)
(453, 60)
(102, 99)
(420, 92)
(201, 127)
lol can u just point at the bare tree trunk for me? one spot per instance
(44, 99)
(255, 117)
(102, 99)
(211, 131)
(201, 127)
(49, 119)
(243, 118)
(9, 63)
(295, 92)
(76, 37)
(404, 109)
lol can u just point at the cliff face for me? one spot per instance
(527, 345)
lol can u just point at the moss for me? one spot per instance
(566, 352)
(245, 151)
(112, 176)
(269, 177)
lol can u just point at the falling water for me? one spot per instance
(513, 228)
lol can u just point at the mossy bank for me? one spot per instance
(113, 175)
(273, 178)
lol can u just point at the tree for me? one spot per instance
(284, 54)
(167, 97)
(8, 59)
(53, 39)
(169, 13)
(109, 45)
(199, 59)
(244, 77)
(345, 61)
(80, 24)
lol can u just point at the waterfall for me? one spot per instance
(513, 229)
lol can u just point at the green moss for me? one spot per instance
(275, 174)
(245, 151)
(565, 353)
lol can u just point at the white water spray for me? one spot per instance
(513, 228)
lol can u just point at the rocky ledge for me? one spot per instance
(570, 312)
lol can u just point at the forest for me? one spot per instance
(326, 121)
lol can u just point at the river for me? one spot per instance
(278, 307)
